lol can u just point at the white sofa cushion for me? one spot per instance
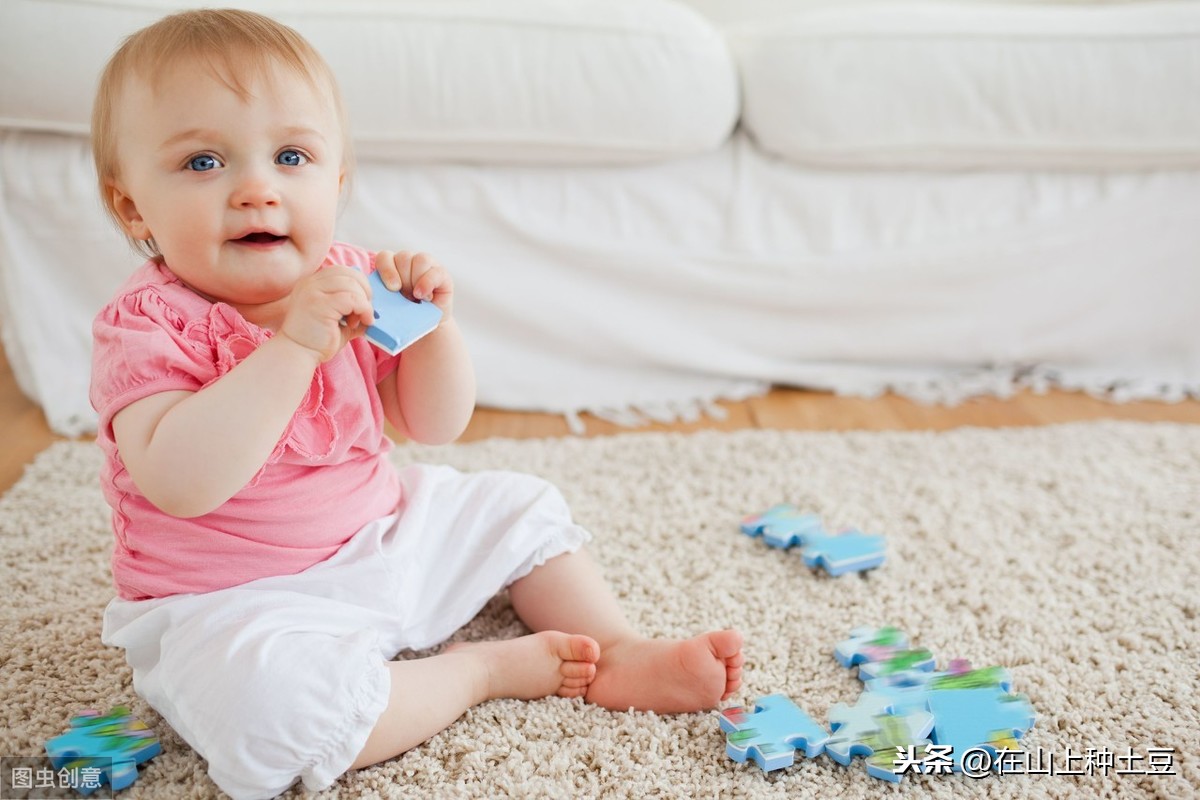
(726, 13)
(605, 81)
(922, 84)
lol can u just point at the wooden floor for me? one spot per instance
(25, 432)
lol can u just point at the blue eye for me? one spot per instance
(203, 163)
(291, 158)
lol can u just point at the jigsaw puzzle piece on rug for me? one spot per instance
(989, 718)
(902, 661)
(878, 652)
(869, 728)
(870, 644)
(908, 731)
(849, 551)
(782, 525)
(909, 690)
(967, 678)
(852, 724)
(113, 744)
(771, 732)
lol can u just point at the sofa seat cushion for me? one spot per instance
(920, 84)
(587, 81)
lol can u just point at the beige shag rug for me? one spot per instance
(1067, 554)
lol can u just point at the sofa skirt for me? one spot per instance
(653, 290)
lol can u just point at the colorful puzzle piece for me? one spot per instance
(113, 743)
(771, 732)
(987, 717)
(782, 525)
(880, 652)
(900, 661)
(909, 690)
(983, 678)
(909, 730)
(869, 644)
(869, 728)
(398, 321)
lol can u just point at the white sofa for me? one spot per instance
(649, 205)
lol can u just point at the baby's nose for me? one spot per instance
(254, 190)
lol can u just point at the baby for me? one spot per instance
(270, 562)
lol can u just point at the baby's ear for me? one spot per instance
(126, 212)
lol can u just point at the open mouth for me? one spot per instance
(260, 238)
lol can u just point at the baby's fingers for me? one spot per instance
(350, 291)
(429, 278)
(361, 310)
(388, 265)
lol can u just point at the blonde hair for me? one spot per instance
(234, 45)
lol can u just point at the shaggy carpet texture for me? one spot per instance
(1068, 554)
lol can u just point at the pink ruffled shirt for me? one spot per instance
(327, 477)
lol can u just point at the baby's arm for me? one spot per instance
(431, 395)
(189, 452)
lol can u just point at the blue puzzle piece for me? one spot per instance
(771, 732)
(852, 551)
(398, 321)
(869, 728)
(987, 718)
(869, 644)
(782, 525)
(113, 743)
(853, 724)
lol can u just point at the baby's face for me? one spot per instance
(239, 195)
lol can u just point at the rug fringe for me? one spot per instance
(636, 415)
(1005, 380)
(948, 389)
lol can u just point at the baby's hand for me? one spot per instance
(419, 276)
(328, 309)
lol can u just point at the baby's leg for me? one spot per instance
(430, 693)
(664, 675)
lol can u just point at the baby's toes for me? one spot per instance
(578, 671)
(580, 648)
(726, 645)
(577, 676)
(733, 673)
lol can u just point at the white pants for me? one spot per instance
(284, 678)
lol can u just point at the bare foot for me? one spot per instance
(537, 665)
(668, 676)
